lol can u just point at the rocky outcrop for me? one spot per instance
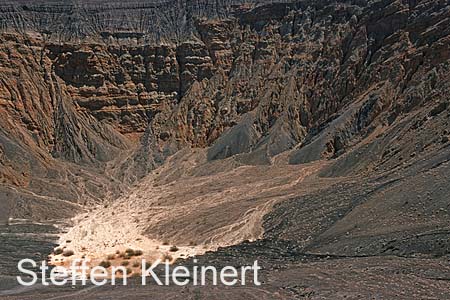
(324, 80)
(49, 151)
(133, 21)
(323, 129)
(127, 86)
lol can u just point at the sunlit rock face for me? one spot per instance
(85, 116)
(310, 135)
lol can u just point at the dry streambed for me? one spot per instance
(183, 209)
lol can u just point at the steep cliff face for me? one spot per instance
(319, 77)
(128, 86)
(321, 128)
(323, 80)
(49, 150)
(134, 21)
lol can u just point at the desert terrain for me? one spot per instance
(312, 136)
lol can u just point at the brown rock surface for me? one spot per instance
(357, 91)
